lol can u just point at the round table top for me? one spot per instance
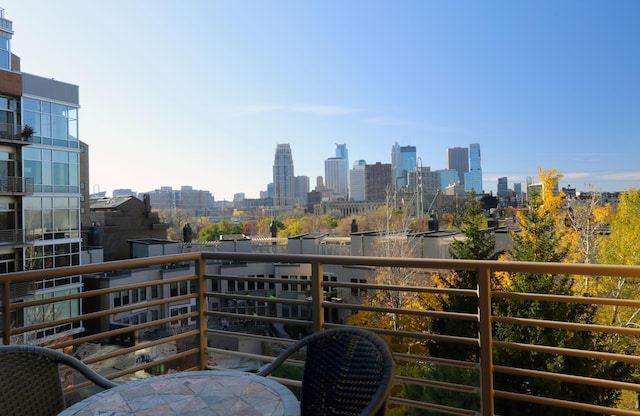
(192, 393)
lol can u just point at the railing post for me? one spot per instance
(486, 341)
(317, 297)
(6, 311)
(202, 308)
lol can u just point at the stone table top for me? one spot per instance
(192, 393)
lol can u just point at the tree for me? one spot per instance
(541, 238)
(212, 232)
(622, 246)
(478, 243)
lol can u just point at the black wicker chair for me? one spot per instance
(30, 381)
(347, 371)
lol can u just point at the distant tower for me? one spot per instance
(378, 181)
(336, 172)
(503, 188)
(458, 159)
(473, 178)
(356, 181)
(403, 162)
(283, 178)
(301, 190)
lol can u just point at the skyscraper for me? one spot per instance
(403, 161)
(336, 172)
(283, 177)
(301, 190)
(357, 181)
(458, 159)
(473, 178)
(378, 181)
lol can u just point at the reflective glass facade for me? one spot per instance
(53, 124)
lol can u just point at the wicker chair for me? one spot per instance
(347, 371)
(30, 380)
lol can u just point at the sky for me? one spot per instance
(200, 92)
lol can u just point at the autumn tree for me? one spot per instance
(542, 239)
(622, 246)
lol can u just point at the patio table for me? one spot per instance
(192, 393)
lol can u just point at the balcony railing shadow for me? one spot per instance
(213, 310)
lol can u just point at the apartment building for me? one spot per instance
(40, 190)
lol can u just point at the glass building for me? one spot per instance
(473, 178)
(283, 177)
(39, 189)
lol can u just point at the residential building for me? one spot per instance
(199, 203)
(458, 159)
(40, 189)
(283, 177)
(473, 178)
(378, 181)
(115, 221)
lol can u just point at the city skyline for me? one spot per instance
(199, 93)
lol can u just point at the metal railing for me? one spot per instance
(201, 325)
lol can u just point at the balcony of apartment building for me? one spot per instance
(10, 183)
(237, 310)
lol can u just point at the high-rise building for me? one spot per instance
(378, 180)
(403, 160)
(40, 196)
(447, 177)
(357, 181)
(336, 172)
(336, 176)
(283, 177)
(458, 159)
(503, 188)
(473, 178)
(301, 190)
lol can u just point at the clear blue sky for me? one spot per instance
(200, 92)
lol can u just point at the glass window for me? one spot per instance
(45, 125)
(32, 119)
(4, 59)
(30, 104)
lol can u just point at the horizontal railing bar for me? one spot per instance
(432, 406)
(586, 300)
(135, 348)
(99, 314)
(564, 404)
(438, 384)
(403, 311)
(565, 325)
(606, 356)
(591, 381)
(437, 360)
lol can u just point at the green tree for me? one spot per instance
(213, 231)
(477, 243)
(541, 239)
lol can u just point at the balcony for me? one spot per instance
(16, 185)
(10, 134)
(195, 311)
